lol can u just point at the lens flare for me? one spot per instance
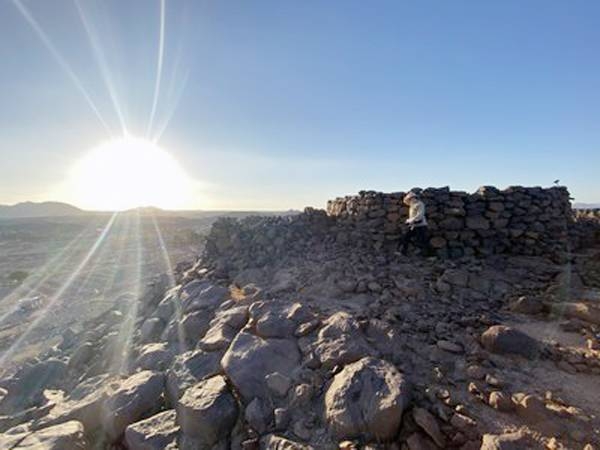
(128, 173)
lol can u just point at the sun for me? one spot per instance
(127, 173)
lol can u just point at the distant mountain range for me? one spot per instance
(42, 209)
(586, 205)
(58, 209)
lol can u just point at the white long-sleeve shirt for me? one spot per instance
(416, 214)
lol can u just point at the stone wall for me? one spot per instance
(585, 231)
(516, 220)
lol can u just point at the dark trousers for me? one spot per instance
(417, 236)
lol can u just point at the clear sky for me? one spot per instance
(282, 104)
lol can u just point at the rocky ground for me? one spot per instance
(281, 337)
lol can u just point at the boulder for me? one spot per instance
(207, 411)
(151, 329)
(155, 433)
(188, 369)
(201, 294)
(580, 311)
(278, 383)
(11, 437)
(258, 415)
(340, 341)
(81, 356)
(130, 400)
(429, 425)
(155, 356)
(527, 305)
(418, 441)
(500, 401)
(507, 340)
(250, 359)
(194, 325)
(507, 441)
(533, 410)
(223, 328)
(274, 320)
(367, 399)
(67, 435)
(26, 387)
(83, 404)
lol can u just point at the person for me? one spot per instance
(417, 224)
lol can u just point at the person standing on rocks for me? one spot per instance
(417, 225)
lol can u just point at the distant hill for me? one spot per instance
(586, 205)
(42, 209)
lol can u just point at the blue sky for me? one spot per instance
(279, 105)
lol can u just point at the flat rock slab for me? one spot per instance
(154, 433)
(250, 359)
(68, 435)
(366, 399)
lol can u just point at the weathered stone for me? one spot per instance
(250, 359)
(507, 441)
(417, 441)
(449, 346)
(282, 418)
(461, 421)
(194, 325)
(129, 400)
(340, 341)
(429, 424)
(500, 401)
(274, 320)
(154, 433)
(26, 387)
(151, 329)
(527, 305)
(503, 339)
(155, 356)
(188, 369)
(578, 311)
(273, 442)
(84, 404)
(67, 435)
(366, 398)
(207, 411)
(223, 328)
(258, 415)
(81, 356)
(278, 383)
(477, 223)
(199, 294)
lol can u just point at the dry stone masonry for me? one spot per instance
(516, 220)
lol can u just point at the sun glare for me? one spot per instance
(127, 173)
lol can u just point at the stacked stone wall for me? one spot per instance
(586, 227)
(516, 220)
